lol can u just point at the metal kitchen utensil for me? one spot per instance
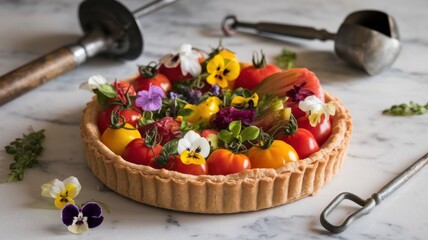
(109, 27)
(367, 39)
(369, 204)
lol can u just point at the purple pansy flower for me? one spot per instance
(230, 114)
(79, 220)
(150, 100)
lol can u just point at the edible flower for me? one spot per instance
(193, 148)
(187, 58)
(93, 82)
(79, 220)
(203, 112)
(240, 100)
(316, 108)
(62, 191)
(222, 70)
(227, 54)
(150, 100)
(229, 114)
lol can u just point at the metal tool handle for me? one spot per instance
(369, 204)
(151, 7)
(230, 24)
(35, 73)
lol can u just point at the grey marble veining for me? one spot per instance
(381, 146)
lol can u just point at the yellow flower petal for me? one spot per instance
(231, 70)
(61, 201)
(255, 99)
(215, 64)
(238, 100)
(315, 118)
(191, 157)
(72, 190)
(227, 54)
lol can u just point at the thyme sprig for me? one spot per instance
(25, 152)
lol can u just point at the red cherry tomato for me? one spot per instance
(194, 169)
(139, 153)
(104, 119)
(303, 141)
(158, 164)
(321, 131)
(123, 87)
(251, 76)
(223, 162)
(254, 74)
(160, 80)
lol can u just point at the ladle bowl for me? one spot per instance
(368, 39)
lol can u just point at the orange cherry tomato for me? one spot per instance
(276, 155)
(223, 162)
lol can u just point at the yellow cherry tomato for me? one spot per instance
(116, 139)
(276, 155)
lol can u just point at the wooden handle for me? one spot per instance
(35, 73)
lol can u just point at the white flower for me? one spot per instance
(93, 82)
(187, 58)
(79, 225)
(316, 108)
(62, 191)
(193, 148)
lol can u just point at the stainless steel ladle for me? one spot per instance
(368, 39)
(110, 28)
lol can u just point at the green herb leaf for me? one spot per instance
(287, 59)
(107, 90)
(250, 133)
(225, 136)
(171, 147)
(235, 128)
(406, 109)
(185, 112)
(25, 151)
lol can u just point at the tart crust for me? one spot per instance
(249, 190)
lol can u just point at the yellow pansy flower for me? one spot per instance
(62, 191)
(222, 71)
(240, 100)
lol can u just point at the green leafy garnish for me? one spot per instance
(406, 109)
(234, 137)
(286, 60)
(25, 151)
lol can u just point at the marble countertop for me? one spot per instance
(381, 146)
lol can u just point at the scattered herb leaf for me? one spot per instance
(287, 59)
(406, 109)
(25, 151)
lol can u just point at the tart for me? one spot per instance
(245, 191)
